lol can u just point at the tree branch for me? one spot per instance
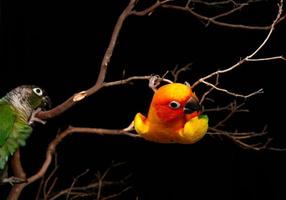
(213, 19)
(17, 189)
(17, 165)
(250, 56)
(103, 68)
(241, 138)
(214, 3)
(149, 10)
(260, 91)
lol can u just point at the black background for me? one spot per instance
(59, 45)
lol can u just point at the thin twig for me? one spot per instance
(225, 108)
(215, 3)
(92, 189)
(233, 109)
(151, 9)
(266, 59)
(212, 20)
(210, 90)
(242, 139)
(102, 73)
(126, 81)
(52, 148)
(177, 71)
(247, 58)
(46, 193)
(229, 12)
(260, 91)
(117, 194)
(74, 182)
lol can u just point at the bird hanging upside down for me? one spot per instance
(174, 116)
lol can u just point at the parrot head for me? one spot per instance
(28, 98)
(175, 101)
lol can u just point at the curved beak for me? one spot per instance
(192, 106)
(47, 104)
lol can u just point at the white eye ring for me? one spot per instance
(174, 105)
(38, 91)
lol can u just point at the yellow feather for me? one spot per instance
(139, 124)
(194, 130)
(179, 129)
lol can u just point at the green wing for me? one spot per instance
(13, 131)
(7, 119)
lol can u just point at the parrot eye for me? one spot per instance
(38, 91)
(174, 104)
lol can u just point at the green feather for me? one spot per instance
(15, 110)
(14, 131)
(204, 116)
(7, 119)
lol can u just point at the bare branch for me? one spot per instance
(247, 58)
(92, 188)
(126, 81)
(177, 71)
(47, 190)
(234, 108)
(83, 94)
(214, 3)
(150, 10)
(117, 194)
(74, 181)
(276, 149)
(266, 59)
(210, 90)
(16, 190)
(229, 12)
(214, 21)
(103, 68)
(243, 139)
(239, 137)
(260, 91)
(280, 9)
(17, 165)
(228, 107)
(101, 180)
(107, 56)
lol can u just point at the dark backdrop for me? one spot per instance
(59, 45)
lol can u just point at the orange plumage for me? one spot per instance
(173, 116)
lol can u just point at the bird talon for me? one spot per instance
(34, 119)
(130, 127)
(154, 82)
(14, 180)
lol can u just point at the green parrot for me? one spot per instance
(17, 113)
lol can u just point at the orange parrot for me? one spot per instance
(174, 116)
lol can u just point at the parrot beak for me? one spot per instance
(192, 106)
(47, 104)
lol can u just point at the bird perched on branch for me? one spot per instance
(174, 116)
(17, 113)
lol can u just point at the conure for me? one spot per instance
(17, 113)
(174, 116)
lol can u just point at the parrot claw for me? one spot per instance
(13, 180)
(188, 84)
(33, 117)
(154, 82)
(130, 127)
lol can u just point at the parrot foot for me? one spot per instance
(130, 127)
(13, 180)
(154, 82)
(34, 119)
